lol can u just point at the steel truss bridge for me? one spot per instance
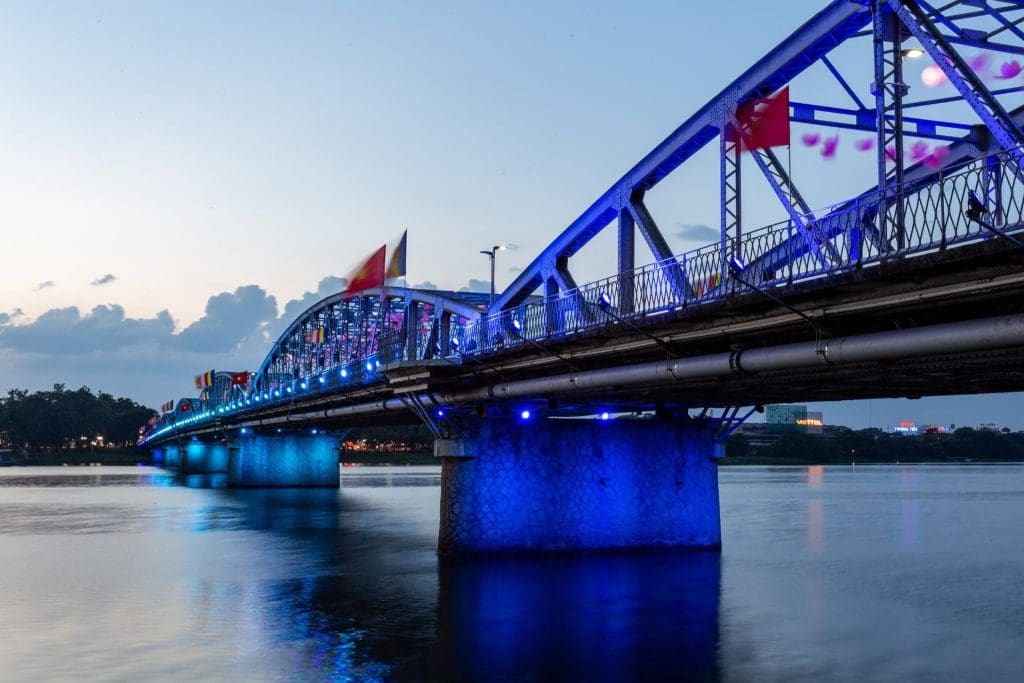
(913, 287)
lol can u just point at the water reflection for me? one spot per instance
(638, 617)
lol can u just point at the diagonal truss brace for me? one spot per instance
(967, 83)
(659, 247)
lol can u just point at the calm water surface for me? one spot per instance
(900, 573)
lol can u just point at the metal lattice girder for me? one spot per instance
(354, 327)
(840, 20)
(888, 89)
(730, 182)
(963, 78)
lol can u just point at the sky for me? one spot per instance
(180, 180)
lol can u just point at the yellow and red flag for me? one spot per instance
(316, 336)
(204, 380)
(396, 265)
(370, 274)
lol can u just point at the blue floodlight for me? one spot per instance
(440, 413)
(278, 430)
(243, 430)
(525, 415)
(605, 415)
(604, 301)
(290, 389)
(737, 265)
(369, 366)
(455, 342)
(516, 324)
(313, 431)
(277, 392)
(377, 363)
(323, 380)
(344, 372)
(305, 386)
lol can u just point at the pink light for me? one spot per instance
(932, 76)
(935, 159)
(865, 144)
(810, 139)
(918, 151)
(1009, 69)
(828, 149)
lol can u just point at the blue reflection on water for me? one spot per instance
(639, 617)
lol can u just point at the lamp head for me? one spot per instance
(518, 326)
(975, 206)
(737, 265)
(604, 301)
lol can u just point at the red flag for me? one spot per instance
(369, 274)
(239, 379)
(764, 122)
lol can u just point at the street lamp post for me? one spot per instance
(491, 253)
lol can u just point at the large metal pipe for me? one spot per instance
(960, 337)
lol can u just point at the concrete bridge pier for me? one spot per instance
(171, 456)
(279, 460)
(204, 457)
(519, 486)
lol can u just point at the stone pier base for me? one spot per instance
(546, 485)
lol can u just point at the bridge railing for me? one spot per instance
(918, 219)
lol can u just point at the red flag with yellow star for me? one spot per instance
(369, 274)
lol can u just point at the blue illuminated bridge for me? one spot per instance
(575, 416)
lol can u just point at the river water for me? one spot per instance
(884, 573)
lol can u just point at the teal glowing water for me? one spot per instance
(873, 573)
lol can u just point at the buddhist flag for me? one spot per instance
(167, 407)
(239, 379)
(396, 266)
(369, 274)
(315, 336)
(204, 380)
(763, 122)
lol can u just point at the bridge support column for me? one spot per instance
(258, 460)
(172, 456)
(157, 456)
(544, 485)
(201, 457)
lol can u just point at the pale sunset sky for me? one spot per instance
(179, 179)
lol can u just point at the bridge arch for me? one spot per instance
(345, 330)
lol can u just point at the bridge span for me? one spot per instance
(579, 417)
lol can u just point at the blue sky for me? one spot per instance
(181, 178)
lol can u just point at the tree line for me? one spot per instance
(845, 445)
(60, 417)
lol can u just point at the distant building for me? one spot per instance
(789, 417)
